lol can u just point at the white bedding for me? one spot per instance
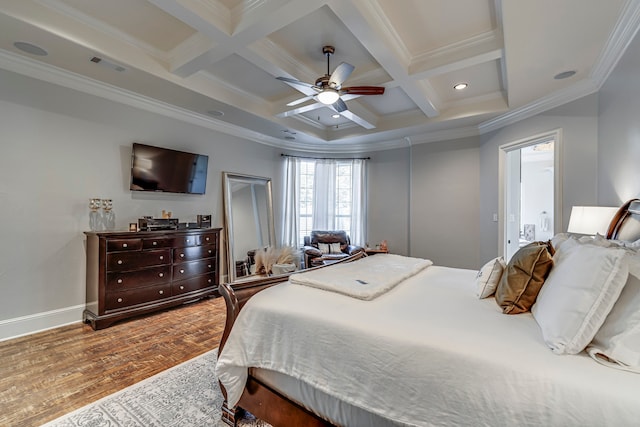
(427, 352)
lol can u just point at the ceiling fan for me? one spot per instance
(328, 88)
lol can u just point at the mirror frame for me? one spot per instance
(228, 179)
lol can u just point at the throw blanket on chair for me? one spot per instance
(365, 279)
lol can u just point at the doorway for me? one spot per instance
(530, 191)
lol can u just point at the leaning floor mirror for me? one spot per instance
(249, 223)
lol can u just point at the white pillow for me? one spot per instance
(334, 248)
(579, 293)
(324, 247)
(489, 276)
(617, 343)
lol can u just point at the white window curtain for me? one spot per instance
(327, 214)
(359, 202)
(291, 219)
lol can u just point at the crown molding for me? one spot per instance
(619, 39)
(578, 90)
(49, 73)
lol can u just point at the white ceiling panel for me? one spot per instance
(191, 57)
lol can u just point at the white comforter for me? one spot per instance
(426, 353)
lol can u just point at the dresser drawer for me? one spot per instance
(193, 253)
(187, 270)
(120, 280)
(123, 261)
(116, 245)
(124, 299)
(193, 284)
(187, 240)
(163, 242)
(209, 239)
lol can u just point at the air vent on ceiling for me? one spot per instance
(108, 64)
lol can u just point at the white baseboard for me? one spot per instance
(26, 325)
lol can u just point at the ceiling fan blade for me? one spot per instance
(339, 106)
(363, 90)
(340, 74)
(306, 88)
(300, 101)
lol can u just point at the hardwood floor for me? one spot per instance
(46, 375)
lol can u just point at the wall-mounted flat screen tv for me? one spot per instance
(165, 170)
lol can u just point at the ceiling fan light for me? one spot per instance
(328, 96)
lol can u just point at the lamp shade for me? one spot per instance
(590, 220)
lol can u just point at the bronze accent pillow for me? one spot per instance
(524, 276)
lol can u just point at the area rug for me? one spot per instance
(186, 395)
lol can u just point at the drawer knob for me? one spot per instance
(181, 287)
(209, 280)
(119, 280)
(161, 292)
(119, 262)
(181, 255)
(206, 238)
(188, 241)
(161, 275)
(154, 243)
(124, 245)
(210, 251)
(209, 266)
(181, 271)
(119, 299)
(161, 256)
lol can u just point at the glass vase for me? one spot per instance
(94, 214)
(108, 216)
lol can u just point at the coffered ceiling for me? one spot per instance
(215, 62)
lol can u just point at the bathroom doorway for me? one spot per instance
(530, 189)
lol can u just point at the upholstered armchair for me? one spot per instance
(322, 247)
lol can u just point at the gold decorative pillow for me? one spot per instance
(524, 276)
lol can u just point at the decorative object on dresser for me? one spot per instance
(135, 273)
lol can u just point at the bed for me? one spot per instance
(429, 351)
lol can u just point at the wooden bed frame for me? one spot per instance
(271, 406)
(259, 399)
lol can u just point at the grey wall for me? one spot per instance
(444, 202)
(619, 131)
(388, 199)
(59, 148)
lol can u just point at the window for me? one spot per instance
(324, 194)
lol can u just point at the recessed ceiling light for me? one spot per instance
(564, 75)
(215, 113)
(31, 48)
(335, 116)
(460, 86)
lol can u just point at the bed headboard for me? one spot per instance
(625, 224)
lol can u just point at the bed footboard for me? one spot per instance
(258, 399)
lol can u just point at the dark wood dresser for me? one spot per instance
(132, 273)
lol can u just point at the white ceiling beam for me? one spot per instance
(360, 115)
(367, 22)
(226, 40)
(481, 49)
